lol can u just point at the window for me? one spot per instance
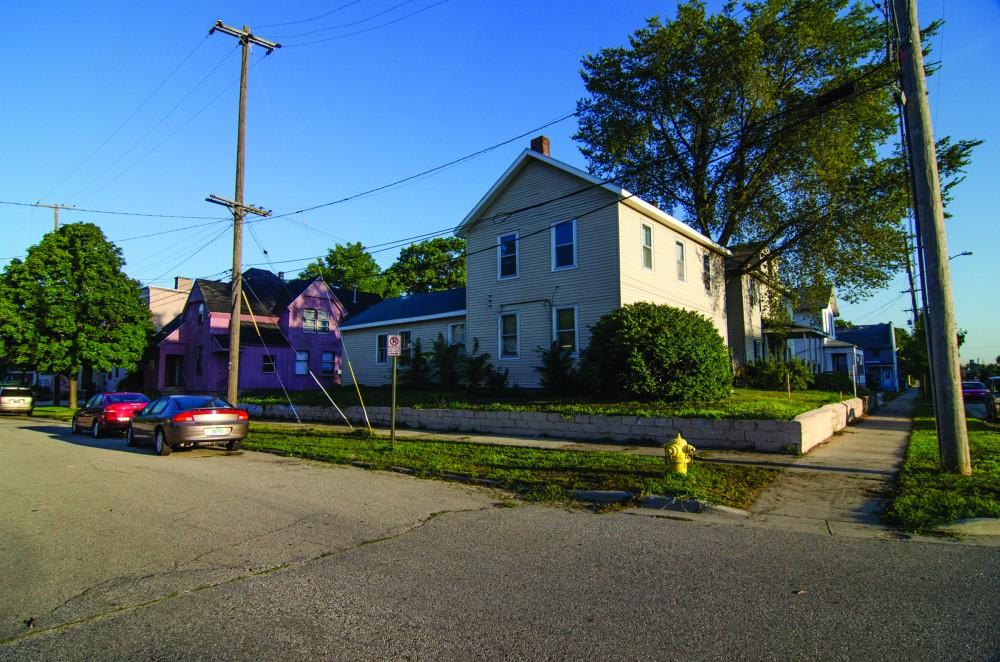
(647, 247)
(301, 363)
(456, 334)
(507, 259)
(382, 348)
(315, 321)
(267, 364)
(752, 290)
(681, 269)
(405, 347)
(564, 328)
(509, 344)
(326, 363)
(158, 406)
(197, 360)
(201, 314)
(706, 271)
(564, 245)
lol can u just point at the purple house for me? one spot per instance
(291, 330)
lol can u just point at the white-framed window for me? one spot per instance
(382, 348)
(326, 363)
(267, 364)
(456, 334)
(563, 245)
(681, 268)
(706, 270)
(315, 321)
(510, 332)
(647, 247)
(508, 258)
(301, 362)
(564, 328)
(405, 347)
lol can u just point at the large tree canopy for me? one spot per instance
(770, 130)
(431, 265)
(74, 306)
(348, 266)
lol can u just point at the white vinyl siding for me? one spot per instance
(647, 247)
(358, 347)
(508, 255)
(564, 328)
(510, 336)
(563, 245)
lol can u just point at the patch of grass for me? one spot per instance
(744, 403)
(539, 474)
(927, 497)
(55, 413)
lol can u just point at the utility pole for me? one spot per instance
(237, 207)
(55, 212)
(953, 438)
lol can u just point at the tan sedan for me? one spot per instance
(179, 421)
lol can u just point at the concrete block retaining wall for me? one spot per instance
(798, 435)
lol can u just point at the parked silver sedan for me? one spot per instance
(178, 421)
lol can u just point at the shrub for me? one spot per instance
(833, 381)
(418, 372)
(647, 351)
(446, 360)
(776, 375)
(559, 375)
(477, 371)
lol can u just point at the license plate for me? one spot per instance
(216, 432)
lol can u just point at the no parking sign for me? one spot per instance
(395, 345)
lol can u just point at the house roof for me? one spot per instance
(270, 336)
(412, 308)
(269, 295)
(868, 335)
(167, 329)
(812, 300)
(625, 198)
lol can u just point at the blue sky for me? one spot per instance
(129, 106)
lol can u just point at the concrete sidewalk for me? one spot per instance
(840, 487)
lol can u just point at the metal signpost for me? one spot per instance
(394, 345)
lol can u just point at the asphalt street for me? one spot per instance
(116, 553)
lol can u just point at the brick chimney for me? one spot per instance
(540, 145)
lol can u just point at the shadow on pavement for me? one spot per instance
(110, 443)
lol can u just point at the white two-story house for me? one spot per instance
(550, 249)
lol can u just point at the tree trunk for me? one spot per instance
(72, 393)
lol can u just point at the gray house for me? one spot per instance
(879, 344)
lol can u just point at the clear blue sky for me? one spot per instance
(422, 84)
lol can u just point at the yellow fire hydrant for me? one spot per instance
(678, 455)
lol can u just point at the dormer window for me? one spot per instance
(315, 321)
(201, 312)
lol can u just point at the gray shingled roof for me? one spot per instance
(269, 295)
(411, 306)
(867, 336)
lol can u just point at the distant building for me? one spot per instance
(881, 362)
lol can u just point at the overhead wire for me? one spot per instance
(345, 25)
(116, 213)
(371, 29)
(309, 20)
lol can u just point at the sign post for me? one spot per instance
(394, 346)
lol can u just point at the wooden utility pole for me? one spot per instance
(953, 438)
(55, 212)
(246, 39)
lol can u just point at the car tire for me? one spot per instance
(75, 429)
(234, 445)
(95, 429)
(160, 442)
(130, 436)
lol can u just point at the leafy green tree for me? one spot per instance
(418, 371)
(77, 308)
(430, 266)
(657, 352)
(913, 354)
(768, 130)
(349, 266)
(446, 360)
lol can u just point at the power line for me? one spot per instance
(116, 213)
(309, 20)
(376, 27)
(347, 25)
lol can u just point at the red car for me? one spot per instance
(975, 392)
(107, 412)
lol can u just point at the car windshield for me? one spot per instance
(15, 391)
(186, 402)
(115, 398)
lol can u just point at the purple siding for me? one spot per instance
(193, 334)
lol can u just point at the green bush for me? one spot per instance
(776, 375)
(646, 351)
(418, 372)
(833, 382)
(446, 360)
(559, 375)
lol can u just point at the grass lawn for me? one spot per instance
(927, 497)
(539, 474)
(744, 403)
(56, 413)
